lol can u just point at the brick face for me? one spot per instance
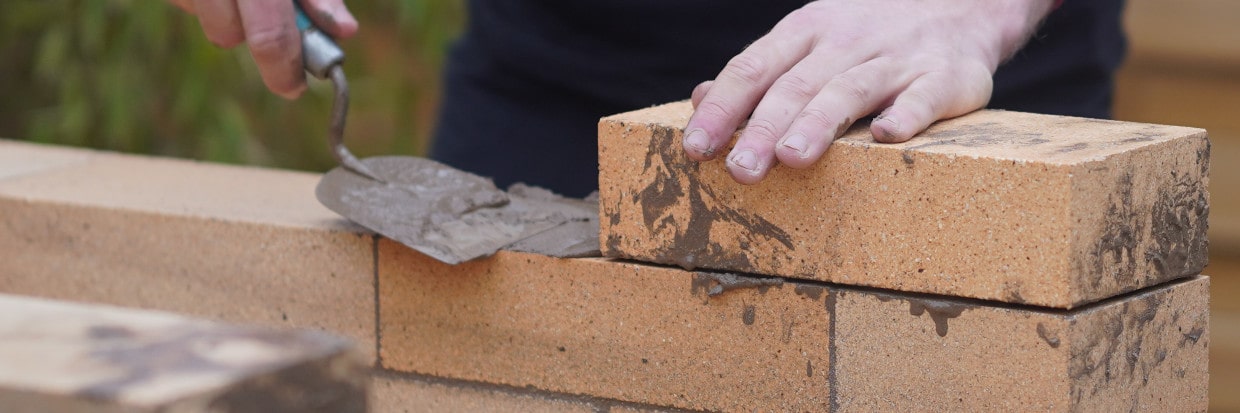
(652, 335)
(1022, 208)
(1147, 351)
(227, 243)
(615, 330)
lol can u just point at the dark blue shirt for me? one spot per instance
(527, 82)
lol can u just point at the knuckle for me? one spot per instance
(926, 101)
(273, 41)
(796, 86)
(799, 18)
(762, 129)
(817, 118)
(225, 40)
(746, 68)
(850, 88)
(714, 110)
(933, 62)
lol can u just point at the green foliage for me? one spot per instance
(139, 76)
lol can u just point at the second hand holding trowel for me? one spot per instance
(448, 214)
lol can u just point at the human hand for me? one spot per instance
(270, 29)
(832, 62)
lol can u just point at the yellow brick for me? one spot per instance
(651, 335)
(229, 243)
(594, 327)
(1142, 352)
(1015, 207)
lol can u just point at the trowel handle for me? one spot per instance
(319, 52)
(322, 57)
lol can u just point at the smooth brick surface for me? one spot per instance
(584, 326)
(1022, 208)
(229, 243)
(21, 158)
(588, 326)
(61, 357)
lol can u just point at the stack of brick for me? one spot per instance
(1000, 261)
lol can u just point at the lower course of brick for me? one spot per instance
(656, 335)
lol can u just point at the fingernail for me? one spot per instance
(884, 118)
(890, 129)
(343, 12)
(327, 19)
(797, 142)
(698, 142)
(745, 159)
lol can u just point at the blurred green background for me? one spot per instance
(139, 76)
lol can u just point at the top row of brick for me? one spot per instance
(1022, 208)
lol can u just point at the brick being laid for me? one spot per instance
(1015, 207)
(663, 336)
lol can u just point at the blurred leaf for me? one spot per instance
(139, 76)
(52, 53)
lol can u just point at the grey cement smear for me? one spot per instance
(576, 237)
(455, 216)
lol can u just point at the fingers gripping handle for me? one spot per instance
(319, 52)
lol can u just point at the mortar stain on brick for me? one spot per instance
(1073, 147)
(109, 332)
(1112, 255)
(813, 292)
(1115, 352)
(1050, 338)
(1142, 136)
(940, 311)
(691, 246)
(980, 135)
(833, 384)
(1012, 294)
(714, 284)
(1178, 228)
(1193, 335)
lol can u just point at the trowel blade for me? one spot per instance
(448, 214)
(575, 238)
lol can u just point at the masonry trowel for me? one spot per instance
(451, 215)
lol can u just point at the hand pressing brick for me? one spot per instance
(1022, 208)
